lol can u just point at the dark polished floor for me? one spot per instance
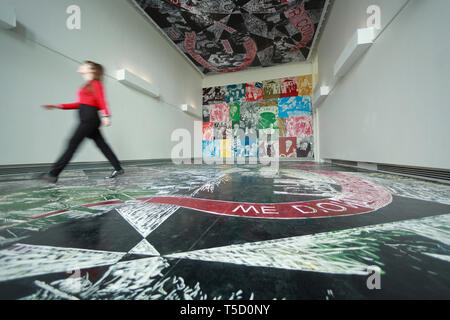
(161, 231)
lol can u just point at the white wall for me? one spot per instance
(347, 16)
(38, 62)
(392, 107)
(260, 74)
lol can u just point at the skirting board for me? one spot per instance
(43, 167)
(374, 167)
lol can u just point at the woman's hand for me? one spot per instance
(51, 106)
(106, 121)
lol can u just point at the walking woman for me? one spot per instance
(91, 101)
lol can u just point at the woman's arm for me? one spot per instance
(75, 105)
(60, 106)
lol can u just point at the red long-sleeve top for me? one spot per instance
(92, 95)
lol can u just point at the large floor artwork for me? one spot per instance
(232, 35)
(252, 232)
(271, 118)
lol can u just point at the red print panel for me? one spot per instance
(288, 147)
(219, 112)
(254, 91)
(299, 127)
(208, 131)
(289, 87)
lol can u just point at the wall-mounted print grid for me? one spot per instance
(242, 115)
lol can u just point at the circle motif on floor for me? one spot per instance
(358, 196)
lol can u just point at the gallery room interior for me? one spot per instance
(224, 150)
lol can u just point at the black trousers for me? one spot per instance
(88, 128)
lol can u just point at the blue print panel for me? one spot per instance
(211, 148)
(294, 107)
(235, 93)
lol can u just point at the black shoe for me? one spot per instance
(115, 174)
(47, 177)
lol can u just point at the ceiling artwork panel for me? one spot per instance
(232, 35)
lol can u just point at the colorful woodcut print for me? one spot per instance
(234, 147)
(238, 147)
(205, 113)
(208, 96)
(305, 85)
(225, 148)
(271, 89)
(254, 91)
(235, 112)
(211, 149)
(246, 147)
(237, 130)
(269, 103)
(305, 147)
(288, 147)
(251, 147)
(214, 95)
(219, 112)
(282, 126)
(249, 115)
(268, 145)
(222, 130)
(298, 127)
(208, 131)
(294, 107)
(235, 93)
(268, 119)
(289, 87)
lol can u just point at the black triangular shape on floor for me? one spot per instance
(106, 232)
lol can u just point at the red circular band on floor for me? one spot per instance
(357, 196)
